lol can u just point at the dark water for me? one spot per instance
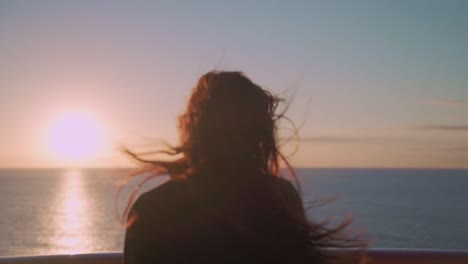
(60, 211)
(397, 208)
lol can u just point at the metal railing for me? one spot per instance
(375, 256)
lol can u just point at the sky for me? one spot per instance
(380, 84)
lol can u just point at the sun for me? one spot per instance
(75, 137)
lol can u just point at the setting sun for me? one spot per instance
(74, 137)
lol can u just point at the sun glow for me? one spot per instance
(75, 137)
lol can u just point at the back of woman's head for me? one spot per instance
(229, 125)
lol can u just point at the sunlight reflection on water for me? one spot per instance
(71, 220)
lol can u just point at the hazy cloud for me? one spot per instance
(451, 128)
(449, 102)
(457, 149)
(338, 139)
(439, 148)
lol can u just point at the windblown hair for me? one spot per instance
(229, 124)
(229, 133)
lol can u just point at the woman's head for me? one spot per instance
(229, 127)
(229, 124)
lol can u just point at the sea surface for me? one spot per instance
(54, 211)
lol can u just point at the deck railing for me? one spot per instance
(375, 256)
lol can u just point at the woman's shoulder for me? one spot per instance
(285, 185)
(290, 194)
(167, 193)
(172, 186)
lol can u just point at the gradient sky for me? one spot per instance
(378, 83)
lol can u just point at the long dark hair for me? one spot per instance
(228, 134)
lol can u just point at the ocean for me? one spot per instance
(55, 211)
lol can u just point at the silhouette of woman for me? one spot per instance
(225, 201)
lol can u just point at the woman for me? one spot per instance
(225, 201)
